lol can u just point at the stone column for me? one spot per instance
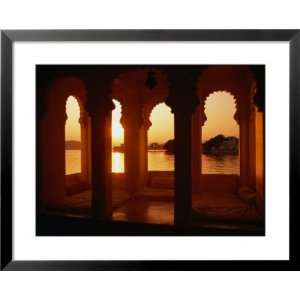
(260, 159)
(252, 145)
(198, 121)
(134, 139)
(259, 100)
(243, 121)
(196, 144)
(100, 106)
(51, 149)
(183, 100)
(144, 151)
(85, 147)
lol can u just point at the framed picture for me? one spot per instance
(150, 149)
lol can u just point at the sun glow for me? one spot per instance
(117, 130)
(162, 128)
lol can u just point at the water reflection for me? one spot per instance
(160, 161)
(117, 160)
(225, 164)
(73, 161)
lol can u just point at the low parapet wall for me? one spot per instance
(165, 180)
(75, 184)
(219, 183)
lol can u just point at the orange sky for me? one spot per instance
(219, 110)
(72, 129)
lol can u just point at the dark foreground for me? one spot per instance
(55, 225)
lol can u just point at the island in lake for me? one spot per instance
(221, 145)
(218, 145)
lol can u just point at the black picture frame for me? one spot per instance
(8, 37)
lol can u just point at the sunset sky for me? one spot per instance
(72, 129)
(219, 110)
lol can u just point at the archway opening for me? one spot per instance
(117, 133)
(72, 137)
(220, 135)
(161, 139)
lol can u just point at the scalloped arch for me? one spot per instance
(129, 88)
(236, 118)
(61, 89)
(236, 80)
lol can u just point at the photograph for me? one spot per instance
(150, 150)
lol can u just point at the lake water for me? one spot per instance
(160, 161)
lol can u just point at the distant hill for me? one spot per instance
(155, 146)
(72, 145)
(218, 145)
(169, 146)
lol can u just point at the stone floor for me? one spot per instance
(146, 211)
(80, 204)
(155, 206)
(223, 207)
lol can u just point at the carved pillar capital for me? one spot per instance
(242, 113)
(202, 115)
(147, 123)
(131, 118)
(83, 121)
(99, 95)
(183, 96)
(259, 96)
(99, 104)
(237, 117)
